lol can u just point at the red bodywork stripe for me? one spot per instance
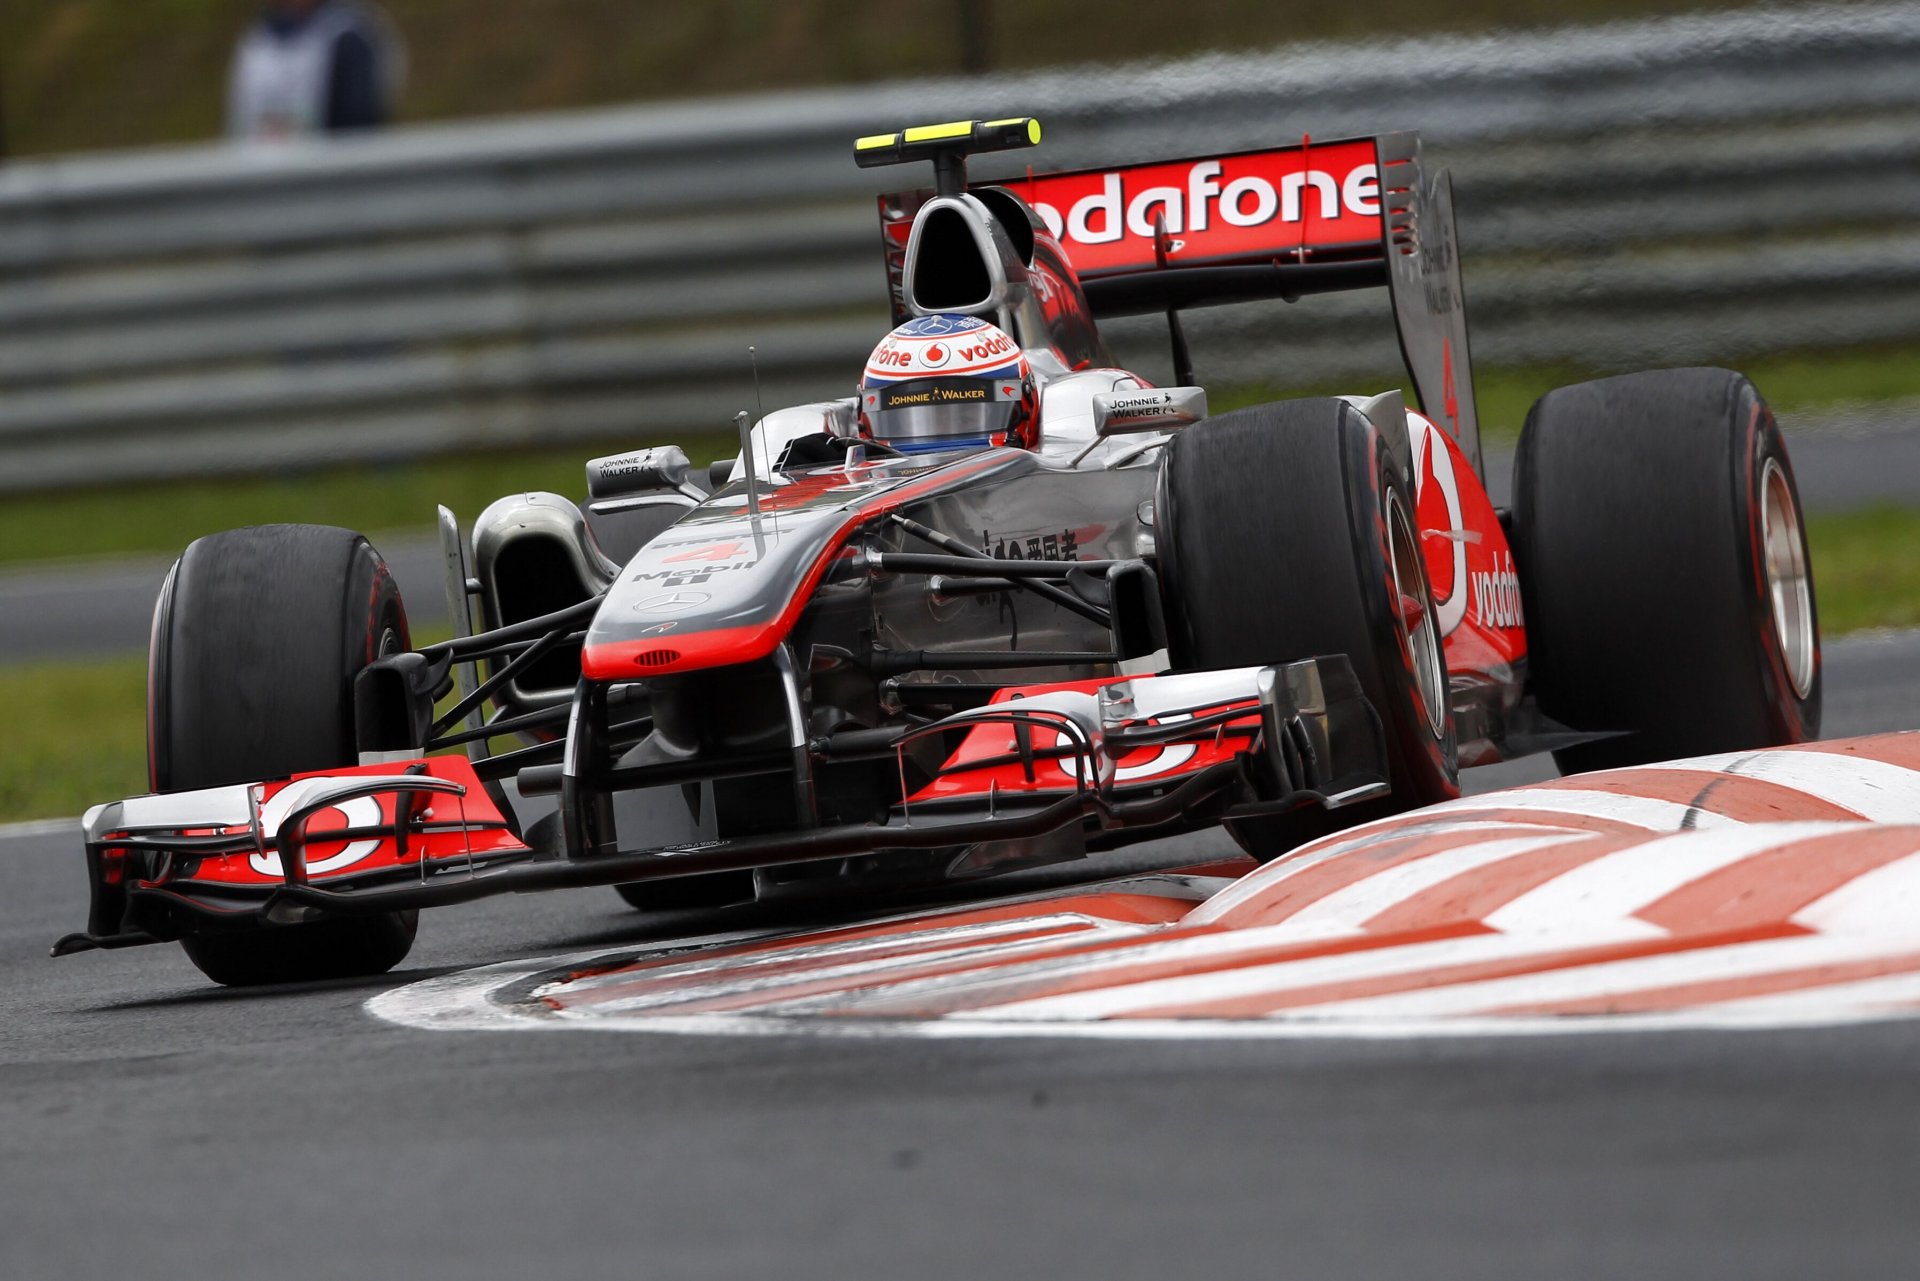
(692, 652)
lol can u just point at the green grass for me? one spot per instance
(76, 735)
(1794, 382)
(1866, 569)
(162, 519)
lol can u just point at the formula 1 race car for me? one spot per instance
(1005, 605)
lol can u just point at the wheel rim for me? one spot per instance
(1419, 638)
(1790, 595)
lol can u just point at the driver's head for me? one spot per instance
(949, 382)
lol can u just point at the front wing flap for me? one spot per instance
(161, 865)
(1301, 733)
(1134, 752)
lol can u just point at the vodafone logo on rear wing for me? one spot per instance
(1249, 206)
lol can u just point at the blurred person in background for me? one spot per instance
(314, 66)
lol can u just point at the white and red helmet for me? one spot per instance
(949, 382)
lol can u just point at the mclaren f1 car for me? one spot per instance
(1006, 604)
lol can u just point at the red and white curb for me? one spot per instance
(1765, 889)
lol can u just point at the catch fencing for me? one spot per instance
(1680, 190)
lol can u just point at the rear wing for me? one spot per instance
(1281, 222)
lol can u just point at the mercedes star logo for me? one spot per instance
(673, 602)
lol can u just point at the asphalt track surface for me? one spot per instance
(152, 1125)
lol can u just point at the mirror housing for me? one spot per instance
(1148, 409)
(642, 471)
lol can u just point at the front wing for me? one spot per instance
(1128, 753)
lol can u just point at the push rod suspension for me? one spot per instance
(1058, 595)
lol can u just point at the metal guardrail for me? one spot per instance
(1683, 189)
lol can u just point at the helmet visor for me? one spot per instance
(940, 411)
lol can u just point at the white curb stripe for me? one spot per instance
(732, 984)
(464, 1001)
(1611, 978)
(1890, 994)
(1883, 901)
(1614, 887)
(957, 938)
(1215, 950)
(1635, 811)
(1284, 976)
(1260, 882)
(1360, 902)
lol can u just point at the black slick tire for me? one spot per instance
(257, 637)
(1652, 514)
(1273, 527)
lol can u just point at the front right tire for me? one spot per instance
(257, 637)
(1285, 532)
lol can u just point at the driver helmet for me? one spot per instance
(944, 382)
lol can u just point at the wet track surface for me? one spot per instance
(153, 1123)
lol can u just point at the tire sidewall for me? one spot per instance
(1791, 718)
(1427, 761)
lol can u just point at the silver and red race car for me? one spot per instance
(1006, 605)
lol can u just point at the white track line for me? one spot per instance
(465, 1001)
(41, 827)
